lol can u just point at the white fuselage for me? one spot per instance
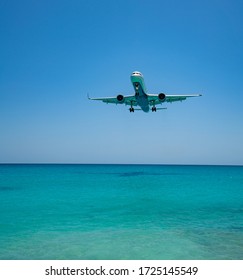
(140, 90)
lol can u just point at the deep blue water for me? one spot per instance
(121, 212)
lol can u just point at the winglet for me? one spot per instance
(88, 95)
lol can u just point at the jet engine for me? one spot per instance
(120, 98)
(161, 96)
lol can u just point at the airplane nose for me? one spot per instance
(136, 73)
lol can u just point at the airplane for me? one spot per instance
(141, 97)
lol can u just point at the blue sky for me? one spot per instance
(55, 52)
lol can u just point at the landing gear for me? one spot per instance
(153, 108)
(136, 86)
(131, 109)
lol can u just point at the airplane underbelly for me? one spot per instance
(143, 103)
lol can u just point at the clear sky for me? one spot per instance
(52, 53)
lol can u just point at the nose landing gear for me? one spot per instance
(136, 87)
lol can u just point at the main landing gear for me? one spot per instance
(131, 109)
(154, 108)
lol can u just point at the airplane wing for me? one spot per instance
(127, 100)
(155, 99)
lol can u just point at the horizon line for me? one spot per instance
(63, 163)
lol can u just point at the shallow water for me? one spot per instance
(121, 212)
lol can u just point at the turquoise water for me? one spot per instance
(121, 212)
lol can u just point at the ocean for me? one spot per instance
(121, 212)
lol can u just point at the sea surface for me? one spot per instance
(106, 212)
